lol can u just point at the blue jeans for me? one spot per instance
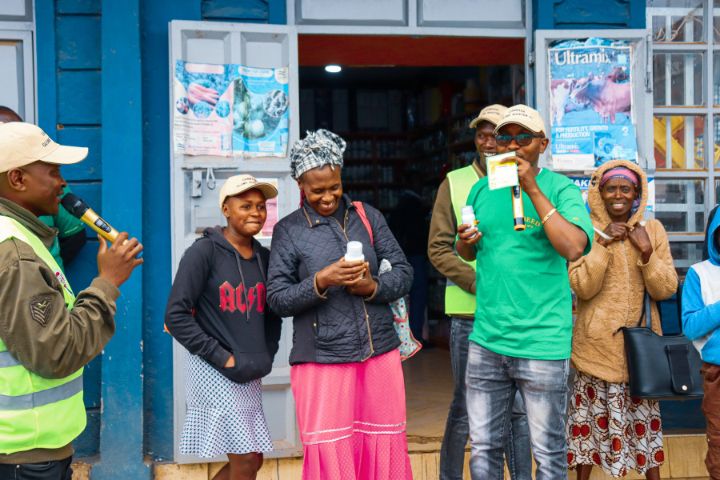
(452, 452)
(492, 381)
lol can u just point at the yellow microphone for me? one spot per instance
(517, 206)
(77, 207)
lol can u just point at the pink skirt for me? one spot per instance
(352, 419)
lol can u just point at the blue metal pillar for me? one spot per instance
(157, 277)
(121, 431)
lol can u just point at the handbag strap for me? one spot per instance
(646, 311)
(364, 219)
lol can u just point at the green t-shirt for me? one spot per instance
(66, 223)
(524, 307)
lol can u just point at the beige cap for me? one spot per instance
(24, 143)
(242, 183)
(525, 117)
(491, 113)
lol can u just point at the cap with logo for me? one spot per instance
(491, 113)
(24, 143)
(525, 117)
(242, 183)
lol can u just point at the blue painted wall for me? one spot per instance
(588, 14)
(89, 90)
(69, 67)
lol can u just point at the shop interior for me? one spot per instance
(404, 105)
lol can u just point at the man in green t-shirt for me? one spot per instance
(71, 231)
(523, 318)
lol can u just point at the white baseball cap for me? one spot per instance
(525, 117)
(492, 114)
(24, 143)
(242, 183)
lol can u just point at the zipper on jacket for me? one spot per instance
(367, 317)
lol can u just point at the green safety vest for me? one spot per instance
(457, 300)
(37, 412)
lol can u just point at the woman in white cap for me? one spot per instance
(217, 311)
(346, 375)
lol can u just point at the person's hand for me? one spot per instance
(469, 234)
(615, 230)
(340, 273)
(116, 263)
(638, 236)
(526, 175)
(197, 93)
(365, 285)
(230, 362)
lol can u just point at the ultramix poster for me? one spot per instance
(225, 110)
(591, 103)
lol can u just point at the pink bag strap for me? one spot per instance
(364, 219)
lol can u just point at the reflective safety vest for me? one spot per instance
(37, 412)
(461, 181)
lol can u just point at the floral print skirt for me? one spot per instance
(609, 428)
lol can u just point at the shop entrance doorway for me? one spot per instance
(404, 104)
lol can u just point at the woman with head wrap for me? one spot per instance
(606, 427)
(346, 376)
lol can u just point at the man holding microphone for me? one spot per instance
(47, 334)
(460, 306)
(523, 319)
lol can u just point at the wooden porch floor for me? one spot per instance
(429, 390)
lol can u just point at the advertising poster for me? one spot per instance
(225, 110)
(260, 111)
(202, 124)
(272, 210)
(591, 118)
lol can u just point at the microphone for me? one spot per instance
(77, 207)
(517, 206)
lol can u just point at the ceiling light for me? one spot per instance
(333, 68)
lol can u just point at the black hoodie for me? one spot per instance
(217, 307)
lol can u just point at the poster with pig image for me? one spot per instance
(202, 95)
(260, 112)
(591, 119)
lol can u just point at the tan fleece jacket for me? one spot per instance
(441, 240)
(610, 284)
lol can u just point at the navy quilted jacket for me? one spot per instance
(342, 327)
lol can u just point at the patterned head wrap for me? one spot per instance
(317, 149)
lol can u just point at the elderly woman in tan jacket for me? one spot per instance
(606, 427)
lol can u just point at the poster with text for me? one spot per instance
(260, 111)
(271, 207)
(203, 96)
(591, 119)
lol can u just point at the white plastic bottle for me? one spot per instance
(354, 252)
(468, 217)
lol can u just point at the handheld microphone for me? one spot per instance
(77, 207)
(517, 206)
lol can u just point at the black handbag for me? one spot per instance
(661, 367)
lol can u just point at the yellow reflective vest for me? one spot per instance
(37, 412)
(457, 300)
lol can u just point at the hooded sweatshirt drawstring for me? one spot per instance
(245, 285)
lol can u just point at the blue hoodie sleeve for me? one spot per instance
(698, 319)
